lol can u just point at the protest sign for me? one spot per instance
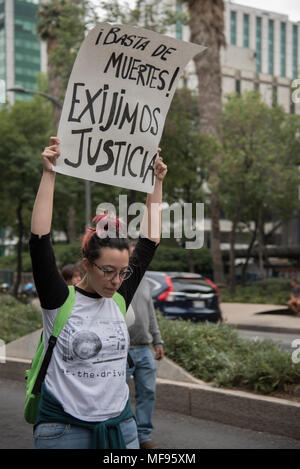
(117, 99)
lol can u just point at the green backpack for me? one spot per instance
(38, 369)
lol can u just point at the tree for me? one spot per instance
(187, 153)
(24, 130)
(258, 180)
(155, 15)
(183, 150)
(207, 28)
(62, 24)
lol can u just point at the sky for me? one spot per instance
(287, 7)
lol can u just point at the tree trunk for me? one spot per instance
(19, 249)
(54, 83)
(260, 245)
(71, 225)
(191, 261)
(207, 28)
(232, 253)
(216, 239)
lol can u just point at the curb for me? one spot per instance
(237, 408)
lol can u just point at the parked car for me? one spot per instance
(185, 295)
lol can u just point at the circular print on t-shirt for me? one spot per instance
(86, 344)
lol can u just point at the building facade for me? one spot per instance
(262, 52)
(22, 56)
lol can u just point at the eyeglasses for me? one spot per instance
(110, 274)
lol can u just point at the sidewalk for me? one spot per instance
(261, 317)
(180, 392)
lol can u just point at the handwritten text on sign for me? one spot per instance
(117, 99)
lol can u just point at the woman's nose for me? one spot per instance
(116, 279)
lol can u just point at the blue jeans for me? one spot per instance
(62, 436)
(144, 373)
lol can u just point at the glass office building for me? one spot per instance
(2, 53)
(20, 48)
(271, 47)
(246, 30)
(233, 27)
(258, 43)
(295, 51)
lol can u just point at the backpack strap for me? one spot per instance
(120, 300)
(60, 320)
(64, 312)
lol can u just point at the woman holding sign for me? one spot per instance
(84, 399)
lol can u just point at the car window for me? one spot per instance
(192, 287)
(154, 284)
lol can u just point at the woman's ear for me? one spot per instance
(86, 264)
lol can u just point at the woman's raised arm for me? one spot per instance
(151, 223)
(43, 206)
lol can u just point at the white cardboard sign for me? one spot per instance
(117, 99)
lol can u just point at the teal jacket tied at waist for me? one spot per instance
(106, 434)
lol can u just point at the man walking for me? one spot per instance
(143, 333)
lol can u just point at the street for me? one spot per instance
(172, 430)
(282, 339)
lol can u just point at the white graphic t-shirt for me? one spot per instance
(90, 356)
(87, 371)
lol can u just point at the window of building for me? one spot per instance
(178, 22)
(233, 28)
(246, 30)
(271, 47)
(238, 86)
(27, 44)
(282, 49)
(258, 44)
(295, 51)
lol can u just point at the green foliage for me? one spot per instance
(215, 353)
(17, 319)
(185, 150)
(155, 15)
(177, 259)
(64, 254)
(24, 129)
(258, 169)
(69, 192)
(64, 24)
(268, 291)
(10, 262)
(67, 253)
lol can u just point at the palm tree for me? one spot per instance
(52, 16)
(207, 28)
(47, 26)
